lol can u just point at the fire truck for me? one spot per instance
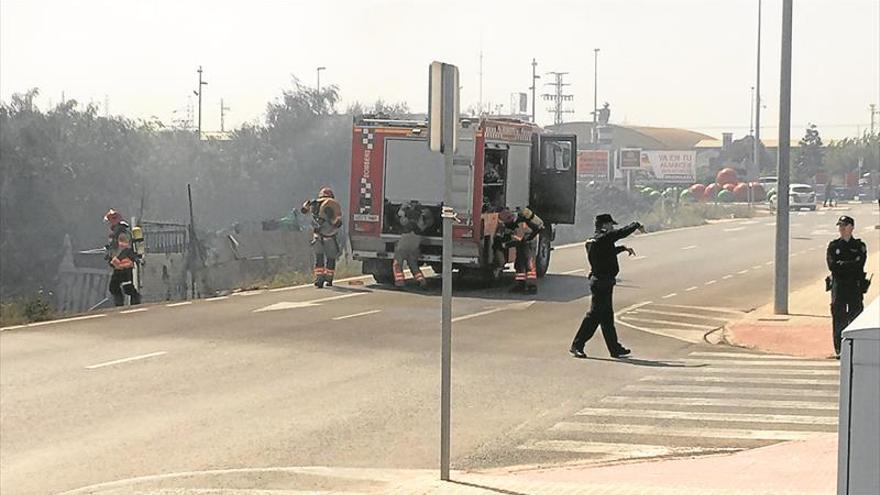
(500, 163)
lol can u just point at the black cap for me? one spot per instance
(604, 218)
(845, 220)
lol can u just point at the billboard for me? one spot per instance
(670, 166)
(592, 165)
(629, 159)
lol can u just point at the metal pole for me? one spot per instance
(446, 309)
(200, 102)
(780, 304)
(757, 140)
(534, 86)
(595, 139)
(873, 114)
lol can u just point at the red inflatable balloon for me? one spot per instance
(726, 176)
(699, 191)
(741, 192)
(710, 192)
(729, 187)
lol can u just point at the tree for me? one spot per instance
(810, 156)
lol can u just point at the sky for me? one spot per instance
(670, 63)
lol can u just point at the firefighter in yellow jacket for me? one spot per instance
(122, 257)
(326, 222)
(525, 227)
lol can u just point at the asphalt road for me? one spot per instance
(349, 376)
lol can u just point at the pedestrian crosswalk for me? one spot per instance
(687, 323)
(709, 402)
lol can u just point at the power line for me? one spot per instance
(558, 97)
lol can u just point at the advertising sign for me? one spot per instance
(670, 166)
(630, 159)
(592, 165)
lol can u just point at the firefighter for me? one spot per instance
(122, 257)
(524, 227)
(846, 258)
(326, 222)
(415, 220)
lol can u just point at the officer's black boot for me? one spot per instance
(118, 299)
(134, 298)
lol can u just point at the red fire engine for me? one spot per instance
(500, 163)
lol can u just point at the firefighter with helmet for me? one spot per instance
(121, 255)
(326, 222)
(415, 220)
(524, 226)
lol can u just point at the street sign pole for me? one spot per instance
(780, 302)
(443, 136)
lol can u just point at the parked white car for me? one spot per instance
(800, 196)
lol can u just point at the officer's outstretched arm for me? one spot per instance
(616, 235)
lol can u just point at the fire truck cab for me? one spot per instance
(500, 163)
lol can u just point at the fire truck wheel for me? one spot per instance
(542, 256)
(380, 270)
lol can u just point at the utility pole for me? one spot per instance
(780, 303)
(223, 109)
(480, 103)
(107, 106)
(595, 137)
(874, 112)
(534, 86)
(199, 94)
(756, 142)
(319, 78)
(752, 115)
(558, 97)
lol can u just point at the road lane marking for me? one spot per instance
(365, 313)
(701, 370)
(52, 322)
(689, 247)
(668, 431)
(691, 288)
(721, 402)
(218, 298)
(768, 263)
(792, 362)
(126, 360)
(705, 308)
(617, 450)
(745, 355)
(306, 286)
(742, 272)
(670, 324)
(710, 282)
(709, 416)
(734, 229)
(305, 304)
(740, 379)
(727, 277)
(667, 296)
(522, 305)
(636, 258)
(174, 305)
(715, 389)
(756, 267)
(130, 311)
(573, 271)
(673, 313)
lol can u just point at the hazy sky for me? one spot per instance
(684, 63)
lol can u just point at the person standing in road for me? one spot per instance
(122, 257)
(846, 258)
(602, 255)
(829, 195)
(326, 222)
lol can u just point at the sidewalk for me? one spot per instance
(804, 332)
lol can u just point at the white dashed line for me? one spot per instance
(691, 288)
(742, 272)
(710, 282)
(667, 296)
(727, 277)
(756, 267)
(130, 311)
(174, 305)
(573, 271)
(52, 322)
(365, 313)
(768, 263)
(689, 247)
(734, 229)
(125, 360)
(218, 298)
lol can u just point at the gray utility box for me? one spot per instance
(858, 466)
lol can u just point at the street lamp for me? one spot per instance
(319, 77)
(595, 93)
(199, 94)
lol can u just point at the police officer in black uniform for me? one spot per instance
(602, 254)
(846, 257)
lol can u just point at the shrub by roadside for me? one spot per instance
(344, 268)
(25, 310)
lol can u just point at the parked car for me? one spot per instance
(800, 196)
